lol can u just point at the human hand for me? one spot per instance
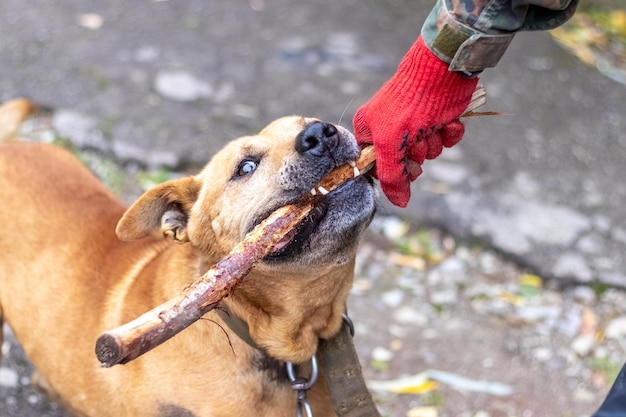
(412, 117)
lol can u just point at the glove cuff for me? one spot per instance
(422, 74)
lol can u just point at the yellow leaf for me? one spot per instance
(414, 262)
(600, 336)
(418, 389)
(415, 384)
(511, 298)
(617, 21)
(531, 280)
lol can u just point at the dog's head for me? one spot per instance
(251, 177)
(298, 293)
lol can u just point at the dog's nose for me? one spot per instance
(318, 139)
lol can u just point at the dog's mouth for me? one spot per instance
(339, 215)
(295, 240)
(326, 210)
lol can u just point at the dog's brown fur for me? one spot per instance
(66, 277)
(12, 114)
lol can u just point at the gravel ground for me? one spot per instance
(481, 336)
(423, 302)
(162, 83)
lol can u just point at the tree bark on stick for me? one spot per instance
(127, 342)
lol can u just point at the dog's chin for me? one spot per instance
(332, 228)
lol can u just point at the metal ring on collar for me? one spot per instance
(299, 383)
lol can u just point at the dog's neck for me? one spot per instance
(288, 314)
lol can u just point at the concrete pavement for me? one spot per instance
(167, 83)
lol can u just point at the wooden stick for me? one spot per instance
(127, 342)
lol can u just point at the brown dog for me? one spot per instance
(65, 277)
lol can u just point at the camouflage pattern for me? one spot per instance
(479, 19)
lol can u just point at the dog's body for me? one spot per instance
(65, 277)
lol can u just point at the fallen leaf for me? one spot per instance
(530, 285)
(414, 262)
(420, 389)
(511, 298)
(428, 381)
(416, 384)
(531, 280)
(589, 321)
(617, 19)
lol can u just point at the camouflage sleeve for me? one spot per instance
(472, 35)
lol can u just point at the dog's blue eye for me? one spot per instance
(246, 167)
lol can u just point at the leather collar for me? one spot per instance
(238, 325)
(338, 356)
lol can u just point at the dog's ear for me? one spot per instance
(164, 208)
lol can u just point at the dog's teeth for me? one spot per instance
(322, 190)
(352, 163)
(313, 192)
(356, 172)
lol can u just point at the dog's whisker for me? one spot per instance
(344, 111)
(225, 333)
(231, 134)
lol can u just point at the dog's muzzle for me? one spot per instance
(338, 217)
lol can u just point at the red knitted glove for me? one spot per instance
(412, 117)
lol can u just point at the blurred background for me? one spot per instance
(499, 290)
